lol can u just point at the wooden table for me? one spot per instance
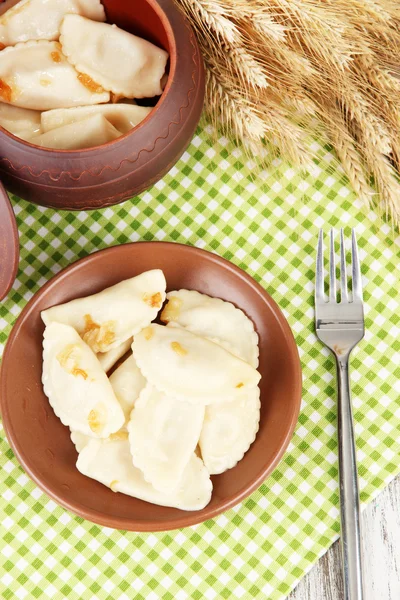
(381, 551)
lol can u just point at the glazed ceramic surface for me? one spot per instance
(108, 174)
(9, 244)
(42, 444)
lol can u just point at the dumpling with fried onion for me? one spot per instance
(37, 75)
(191, 368)
(41, 19)
(214, 319)
(76, 385)
(100, 51)
(107, 319)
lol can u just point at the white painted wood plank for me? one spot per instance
(381, 552)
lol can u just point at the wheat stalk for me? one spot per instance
(209, 14)
(386, 178)
(274, 67)
(359, 110)
(385, 175)
(247, 66)
(353, 163)
(259, 15)
(383, 92)
(266, 26)
(236, 113)
(379, 78)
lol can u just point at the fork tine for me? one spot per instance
(319, 279)
(355, 267)
(332, 271)
(343, 277)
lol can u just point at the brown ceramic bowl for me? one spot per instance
(108, 174)
(9, 244)
(42, 444)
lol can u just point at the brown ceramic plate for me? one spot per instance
(42, 444)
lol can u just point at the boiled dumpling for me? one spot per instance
(215, 319)
(108, 359)
(122, 116)
(77, 387)
(22, 122)
(37, 75)
(110, 463)
(163, 434)
(80, 440)
(93, 131)
(228, 431)
(41, 19)
(127, 382)
(190, 367)
(119, 61)
(108, 318)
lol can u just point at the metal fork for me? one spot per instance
(340, 326)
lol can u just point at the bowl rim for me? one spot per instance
(172, 69)
(190, 518)
(10, 252)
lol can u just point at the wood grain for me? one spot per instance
(381, 555)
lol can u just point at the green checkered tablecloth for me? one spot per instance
(268, 226)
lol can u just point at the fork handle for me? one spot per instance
(348, 483)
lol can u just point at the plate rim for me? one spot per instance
(190, 518)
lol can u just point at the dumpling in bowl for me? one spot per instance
(119, 61)
(41, 19)
(77, 387)
(228, 431)
(122, 116)
(189, 367)
(22, 122)
(108, 318)
(163, 434)
(37, 75)
(93, 131)
(80, 440)
(127, 382)
(215, 319)
(110, 463)
(110, 358)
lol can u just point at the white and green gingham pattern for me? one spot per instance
(268, 226)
